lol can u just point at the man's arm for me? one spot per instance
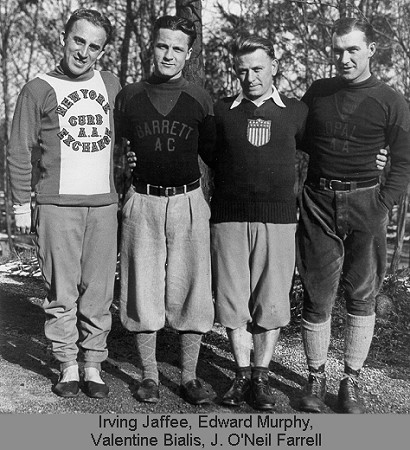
(120, 117)
(23, 138)
(207, 140)
(398, 139)
(302, 137)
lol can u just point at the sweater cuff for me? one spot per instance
(22, 209)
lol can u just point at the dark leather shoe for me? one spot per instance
(96, 390)
(237, 393)
(348, 397)
(66, 389)
(314, 393)
(148, 391)
(193, 392)
(262, 397)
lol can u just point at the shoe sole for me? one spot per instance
(261, 406)
(148, 400)
(311, 410)
(97, 396)
(233, 404)
(268, 407)
(203, 401)
(65, 395)
(94, 392)
(357, 410)
(200, 402)
(189, 398)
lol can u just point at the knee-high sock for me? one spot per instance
(316, 339)
(146, 347)
(190, 346)
(358, 337)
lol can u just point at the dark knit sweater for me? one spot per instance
(168, 124)
(347, 126)
(254, 167)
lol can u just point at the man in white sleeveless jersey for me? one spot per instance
(67, 113)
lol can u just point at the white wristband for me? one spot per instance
(22, 209)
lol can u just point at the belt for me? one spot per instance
(339, 185)
(164, 191)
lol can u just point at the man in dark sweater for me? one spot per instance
(165, 249)
(344, 210)
(253, 218)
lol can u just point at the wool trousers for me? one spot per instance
(77, 254)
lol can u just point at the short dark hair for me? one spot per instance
(347, 24)
(249, 44)
(176, 23)
(92, 16)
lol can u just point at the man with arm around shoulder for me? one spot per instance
(253, 220)
(165, 256)
(344, 209)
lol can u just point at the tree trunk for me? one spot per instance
(6, 95)
(125, 48)
(144, 32)
(194, 70)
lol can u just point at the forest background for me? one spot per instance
(301, 31)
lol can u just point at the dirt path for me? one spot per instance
(27, 371)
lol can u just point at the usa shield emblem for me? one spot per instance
(259, 131)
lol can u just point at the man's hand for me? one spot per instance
(381, 159)
(22, 215)
(132, 160)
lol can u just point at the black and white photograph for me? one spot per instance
(205, 224)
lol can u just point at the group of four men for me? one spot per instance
(250, 141)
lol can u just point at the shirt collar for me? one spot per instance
(274, 96)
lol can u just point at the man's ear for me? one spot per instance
(372, 48)
(62, 38)
(275, 67)
(188, 55)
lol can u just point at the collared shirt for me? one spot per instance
(274, 95)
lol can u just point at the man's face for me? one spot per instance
(171, 51)
(83, 46)
(255, 72)
(352, 56)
